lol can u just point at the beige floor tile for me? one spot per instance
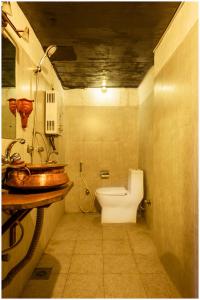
(136, 227)
(130, 263)
(138, 234)
(141, 243)
(72, 221)
(59, 263)
(60, 247)
(114, 233)
(116, 264)
(88, 247)
(52, 288)
(70, 225)
(88, 225)
(92, 219)
(149, 264)
(90, 234)
(123, 286)
(86, 264)
(72, 217)
(63, 233)
(120, 226)
(84, 286)
(159, 286)
(116, 247)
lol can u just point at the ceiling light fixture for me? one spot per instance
(103, 85)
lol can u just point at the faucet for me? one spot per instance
(7, 158)
(49, 155)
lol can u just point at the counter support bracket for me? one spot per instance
(36, 235)
(16, 216)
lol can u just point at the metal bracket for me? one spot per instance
(17, 216)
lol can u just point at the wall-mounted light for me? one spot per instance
(7, 10)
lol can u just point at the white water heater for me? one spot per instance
(53, 113)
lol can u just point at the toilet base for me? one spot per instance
(118, 215)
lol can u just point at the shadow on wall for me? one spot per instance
(168, 260)
(97, 205)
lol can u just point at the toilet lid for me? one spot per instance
(112, 191)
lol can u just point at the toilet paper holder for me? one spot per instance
(104, 174)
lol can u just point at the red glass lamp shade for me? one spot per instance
(12, 106)
(24, 107)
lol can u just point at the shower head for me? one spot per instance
(48, 53)
(51, 50)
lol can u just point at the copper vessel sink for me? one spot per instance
(36, 177)
(46, 168)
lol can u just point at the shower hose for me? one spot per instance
(36, 235)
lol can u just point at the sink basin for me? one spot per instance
(46, 167)
(36, 176)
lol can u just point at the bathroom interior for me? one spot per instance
(99, 149)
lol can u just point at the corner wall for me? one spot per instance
(172, 120)
(145, 153)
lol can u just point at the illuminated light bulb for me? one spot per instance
(103, 89)
(103, 86)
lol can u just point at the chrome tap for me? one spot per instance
(7, 158)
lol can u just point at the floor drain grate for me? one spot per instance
(41, 273)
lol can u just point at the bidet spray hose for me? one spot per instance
(87, 190)
(84, 181)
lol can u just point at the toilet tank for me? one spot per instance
(135, 183)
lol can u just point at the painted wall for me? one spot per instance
(28, 56)
(101, 131)
(170, 113)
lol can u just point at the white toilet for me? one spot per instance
(119, 205)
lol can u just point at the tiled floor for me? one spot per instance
(91, 260)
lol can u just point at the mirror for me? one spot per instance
(8, 87)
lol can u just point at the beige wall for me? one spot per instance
(28, 55)
(145, 153)
(102, 137)
(175, 164)
(169, 116)
(183, 20)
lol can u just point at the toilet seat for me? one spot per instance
(112, 191)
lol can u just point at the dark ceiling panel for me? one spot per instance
(97, 38)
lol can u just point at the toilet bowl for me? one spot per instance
(119, 205)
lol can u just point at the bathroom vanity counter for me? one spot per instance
(18, 200)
